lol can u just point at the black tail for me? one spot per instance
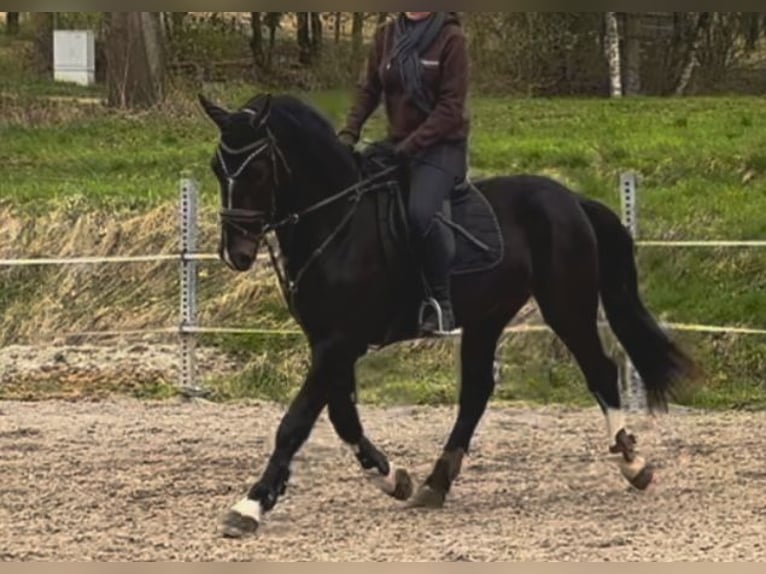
(661, 364)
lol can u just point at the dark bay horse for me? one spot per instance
(282, 169)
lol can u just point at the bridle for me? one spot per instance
(238, 219)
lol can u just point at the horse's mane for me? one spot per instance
(310, 130)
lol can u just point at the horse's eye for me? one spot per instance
(260, 174)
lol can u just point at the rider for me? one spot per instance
(419, 65)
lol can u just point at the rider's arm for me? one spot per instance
(448, 113)
(368, 91)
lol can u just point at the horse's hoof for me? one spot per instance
(643, 479)
(397, 484)
(427, 497)
(638, 473)
(403, 489)
(236, 525)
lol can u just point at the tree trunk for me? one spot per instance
(304, 38)
(632, 54)
(357, 40)
(174, 22)
(178, 19)
(338, 24)
(357, 29)
(317, 34)
(703, 21)
(11, 23)
(753, 29)
(613, 54)
(42, 25)
(256, 38)
(136, 59)
(272, 23)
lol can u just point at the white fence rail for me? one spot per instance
(188, 257)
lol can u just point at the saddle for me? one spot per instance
(477, 241)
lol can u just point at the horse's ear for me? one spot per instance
(214, 112)
(263, 114)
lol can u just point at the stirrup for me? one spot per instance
(434, 304)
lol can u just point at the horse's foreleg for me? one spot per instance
(295, 427)
(395, 482)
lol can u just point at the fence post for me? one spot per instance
(188, 223)
(632, 386)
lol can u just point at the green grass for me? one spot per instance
(19, 78)
(702, 169)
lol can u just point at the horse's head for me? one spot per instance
(246, 166)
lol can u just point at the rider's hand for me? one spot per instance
(348, 140)
(403, 151)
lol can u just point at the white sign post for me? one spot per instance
(74, 56)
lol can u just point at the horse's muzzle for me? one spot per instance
(239, 253)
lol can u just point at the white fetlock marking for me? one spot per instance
(615, 422)
(387, 483)
(248, 508)
(631, 470)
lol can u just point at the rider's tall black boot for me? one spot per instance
(434, 253)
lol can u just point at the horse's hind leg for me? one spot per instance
(477, 355)
(571, 309)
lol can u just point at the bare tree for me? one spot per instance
(703, 23)
(357, 29)
(317, 33)
(256, 38)
(136, 59)
(11, 23)
(338, 19)
(42, 26)
(632, 52)
(754, 23)
(613, 54)
(357, 39)
(174, 22)
(272, 21)
(304, 38)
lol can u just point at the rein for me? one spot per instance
(236, 218)
(354, 194)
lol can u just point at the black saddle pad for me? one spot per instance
(478, 240)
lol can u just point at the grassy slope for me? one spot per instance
(702, 164)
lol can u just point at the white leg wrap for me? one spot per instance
(615, 422)
(387, 483)
(248, 508)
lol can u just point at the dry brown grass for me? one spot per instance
(74, 298)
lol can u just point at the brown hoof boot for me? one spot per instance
(404, 487)
(235, 525)
(427, 497)
(638, 473)
(397, 484)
